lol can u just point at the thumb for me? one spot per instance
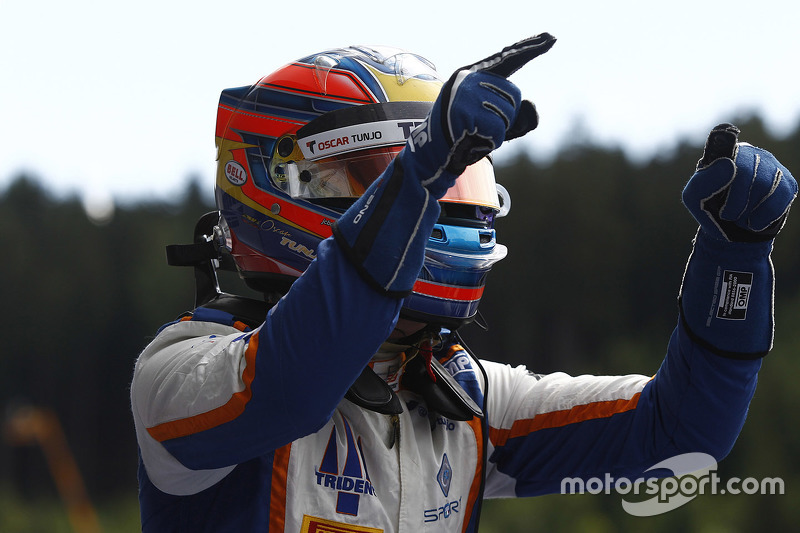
(721, 142)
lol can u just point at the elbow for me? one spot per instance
(716, 442)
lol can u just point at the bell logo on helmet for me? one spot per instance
(235, 173)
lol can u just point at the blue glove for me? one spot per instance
(476, 111)
(740, 195)
(384, 233)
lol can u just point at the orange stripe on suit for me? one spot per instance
(224, 413)
(579, 413)
(277, 502)
(475, 488)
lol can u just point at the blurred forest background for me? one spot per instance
(597, 246)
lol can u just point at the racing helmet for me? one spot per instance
(297, 148)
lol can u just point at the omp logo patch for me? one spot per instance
(320, 525)
(352, 480)
(735, 295)
(458, 364)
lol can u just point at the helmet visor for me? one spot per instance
(342, 176)
(475, 186)
(349, 175)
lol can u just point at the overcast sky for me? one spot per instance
(106, 97)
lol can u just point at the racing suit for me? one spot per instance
(245, 429)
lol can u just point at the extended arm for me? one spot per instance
(558, 426)
(212, 402)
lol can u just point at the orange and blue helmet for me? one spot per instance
(295, 149)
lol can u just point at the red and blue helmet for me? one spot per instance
(295, 149)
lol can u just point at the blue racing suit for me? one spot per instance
(247, 430)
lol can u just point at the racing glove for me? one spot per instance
(385, 231)
(740, 195)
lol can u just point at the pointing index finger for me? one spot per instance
(514, 57)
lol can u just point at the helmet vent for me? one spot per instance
(485, 238)
(437, 234)
(323, 64)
